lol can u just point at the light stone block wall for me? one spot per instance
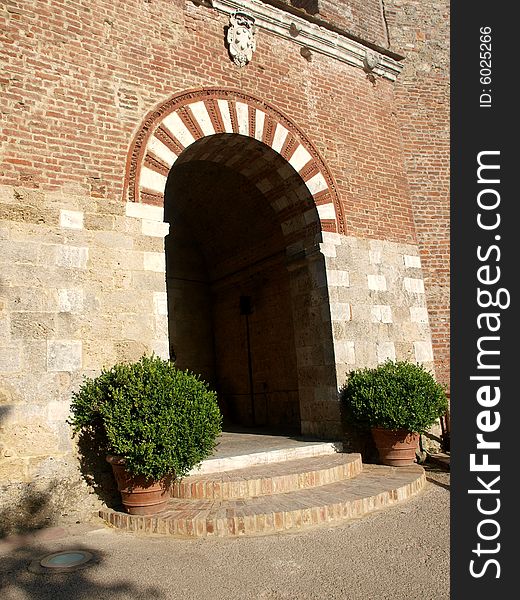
(388, 318)
(370, 294)
(315, 352)
(382, 285)
(82, 286)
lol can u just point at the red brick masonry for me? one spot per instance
(297, 494)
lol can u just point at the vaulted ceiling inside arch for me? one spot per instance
(232, 197)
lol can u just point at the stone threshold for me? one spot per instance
(440, 459)
(270, 456)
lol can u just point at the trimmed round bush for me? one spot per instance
(160, 419)
(393, 395)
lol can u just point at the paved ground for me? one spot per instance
(402, 552)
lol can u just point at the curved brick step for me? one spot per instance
(375, 488)
(275, 478)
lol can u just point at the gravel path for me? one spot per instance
(402, 552)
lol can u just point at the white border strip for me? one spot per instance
(223, 106)
(200, 112)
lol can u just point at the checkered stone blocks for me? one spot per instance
(377, 303)
(86, 290)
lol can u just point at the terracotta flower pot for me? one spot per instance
(396, 448)
(140, 496)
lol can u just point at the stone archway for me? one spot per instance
(176, 124)
(268, 253)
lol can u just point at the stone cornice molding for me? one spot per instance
(312, 36)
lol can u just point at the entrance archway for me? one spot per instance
(247, 198)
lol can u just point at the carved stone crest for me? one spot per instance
(241, 38)
(370, 61)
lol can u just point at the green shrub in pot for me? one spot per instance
(161, 420)
(396, 401)
(394, 395)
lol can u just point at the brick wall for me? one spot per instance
(362, 18)
(80, 77)
(420, 31)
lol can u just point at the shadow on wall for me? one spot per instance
(26, 507)
(21, 576)
(31, 510)
(43, 503)
(95, 470)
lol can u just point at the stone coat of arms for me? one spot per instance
(241, 38)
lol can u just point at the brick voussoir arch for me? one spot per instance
(189, 116)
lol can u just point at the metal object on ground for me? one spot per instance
(63, 562)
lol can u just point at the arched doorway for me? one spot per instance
(247, 198)
(229, 290)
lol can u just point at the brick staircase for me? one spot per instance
(275, 491)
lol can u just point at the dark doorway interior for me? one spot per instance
(229, 295)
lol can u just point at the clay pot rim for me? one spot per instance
(114, 459)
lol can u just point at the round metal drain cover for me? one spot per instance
(62, 562)
(66, 560)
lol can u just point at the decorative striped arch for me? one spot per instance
(187, 117)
